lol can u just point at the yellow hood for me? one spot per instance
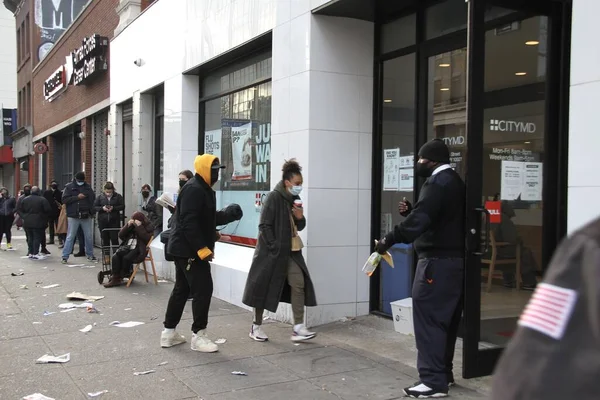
(202, 166)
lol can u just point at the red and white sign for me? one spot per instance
(549, 310)
(495, 209)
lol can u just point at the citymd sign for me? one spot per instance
(512, 126)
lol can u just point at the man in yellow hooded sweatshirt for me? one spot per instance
(192, 244)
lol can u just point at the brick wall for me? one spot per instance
(99, 17)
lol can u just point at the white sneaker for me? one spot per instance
(170, 339)
(300, 333)
(257, 333)
(422, 391)
(201, 343)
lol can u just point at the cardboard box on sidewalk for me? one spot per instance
(402, 311)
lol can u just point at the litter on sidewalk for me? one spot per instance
(46, 313)
(17, 274)
(73, 305)
(150, 371)
(81, 296)
(37, 396)
(48, 359)
(86, 329)
(220, 341)
(129, 324)
(240, 373)
(50, 286)
(23, 287)
(163, 363)
(96, 394)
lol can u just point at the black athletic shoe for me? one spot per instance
(45, 251)
(421, 391)
(80, 254)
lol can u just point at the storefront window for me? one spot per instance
(237, 129)
(399, 33)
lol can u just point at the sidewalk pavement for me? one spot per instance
(357, 359)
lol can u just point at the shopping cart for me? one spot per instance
(107, 253)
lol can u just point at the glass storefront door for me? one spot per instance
(510, 163)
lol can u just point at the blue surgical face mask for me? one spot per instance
(80, 183)
(296, 190)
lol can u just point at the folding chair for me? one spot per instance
(148, 258)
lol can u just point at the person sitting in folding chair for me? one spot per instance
(135, 236)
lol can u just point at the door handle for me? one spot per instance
(487, 230)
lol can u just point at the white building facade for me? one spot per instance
(352, 90)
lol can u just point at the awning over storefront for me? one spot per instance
(6, 155)
(367, 10)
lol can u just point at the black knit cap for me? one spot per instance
(435, 150)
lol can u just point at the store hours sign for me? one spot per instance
(89, 59)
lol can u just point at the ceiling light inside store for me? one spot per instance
(527, 142)
(532, 43)
(445, 65)
(520, 73)
(387, 100)
(445, 89)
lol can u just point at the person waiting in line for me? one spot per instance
(35, 211)
(278, 272)
(436, 225)
(506, 231)
(150, 209)
(18, 222)
(25, 192)
(54, 197)
(135, 236)
(108, 207)
(191, 244)
(8, 207)
(79, 198)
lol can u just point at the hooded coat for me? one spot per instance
(142, 233)
(267, 284)
(196, 216)
(35, 211)
(8, 205)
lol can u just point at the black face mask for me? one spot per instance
(424, 170)
(182, 183)
(54, 186)
(145, 194)
(214, 176)
(27, 192)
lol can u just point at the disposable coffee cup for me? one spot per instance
(298, 203)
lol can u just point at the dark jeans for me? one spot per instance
(122, 262)
(437, 308)
(51, 227)
(34, 240)
(197, 282)
(109, 237)
(6, 222)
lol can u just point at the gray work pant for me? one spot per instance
(437, 308)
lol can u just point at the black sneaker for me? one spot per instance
(530, 288)
(92, 259)
(421, 391)
(64, 261)
(45, 251)
(509, 285)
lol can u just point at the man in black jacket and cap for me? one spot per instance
(54, 197)
(79, 198)
(35, 211)
(192, 244)
(436, 225)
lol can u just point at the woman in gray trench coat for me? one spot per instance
(278, 272)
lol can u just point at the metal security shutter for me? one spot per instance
(100, 152)
(127, 111)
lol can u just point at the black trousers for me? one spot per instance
(34, 239)
(51, 228)
(122, 262)
(197, 282)
(437, 308)
(109, 236)
(6, 222)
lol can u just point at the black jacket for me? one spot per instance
(35, 211)
(77, 208)
(7, 206)
(436, 224)
(196, 214)
(112, 218)
(54, 198)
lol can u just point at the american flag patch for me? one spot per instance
(549, 310)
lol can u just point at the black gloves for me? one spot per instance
(385, 243)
